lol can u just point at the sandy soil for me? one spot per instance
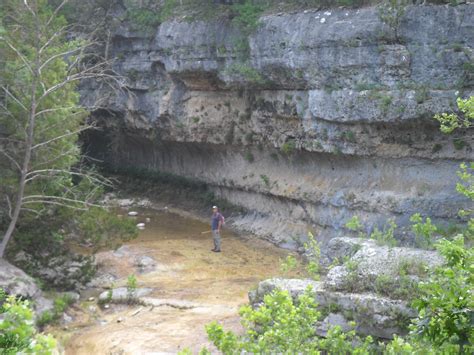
(214, 285)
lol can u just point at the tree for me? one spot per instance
(44, 59)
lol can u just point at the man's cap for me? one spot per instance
(214, 207)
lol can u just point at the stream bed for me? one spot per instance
(192, 287)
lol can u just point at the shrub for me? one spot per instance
(386, 235)
(424, 231)
(313, 249)
(105, 229)
(265, 179)
(355, 225)
(131, 286)
(451, 121)
(246, 72)
(60, 305)
(446, 304)
(17, 331)
(288, 147)
(282, 325)
(289, 264)
(247, 16)
(459, 144)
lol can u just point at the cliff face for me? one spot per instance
(329, 116)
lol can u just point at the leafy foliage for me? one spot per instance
(247, 16)
(314, 253)
(278, 325)
(386, 236)
(102, 228)
(288, 147)
(17, 331)
(282, 325)
(451, 121)
(423, 230)
(59, 307)
(446, 307)
(289, 264)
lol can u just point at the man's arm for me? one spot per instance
(219, 226)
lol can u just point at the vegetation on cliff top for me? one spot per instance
(150, 13)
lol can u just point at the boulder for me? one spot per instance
(16, 282)
(369, 261)
(104, 280)
(122, 294)
(374, 315)
(68, 271)
(145, 263)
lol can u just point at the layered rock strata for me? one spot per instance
(329, 115)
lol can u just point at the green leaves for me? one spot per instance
(446, 307)
(17, 331)
(313, 249)
(289, 264)
(451, 121)
(424, 231)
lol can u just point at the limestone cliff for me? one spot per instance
(329, 116)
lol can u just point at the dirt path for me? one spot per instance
(211, 287)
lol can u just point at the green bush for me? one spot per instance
(289, 264)
(446, 304)
(452, 121)
(17, 331)
(424, 231)
(246, 72)
(386, 235)
(60, 305)
(265, 179)
(104, 229)
(314, 251)
(288, 147)
(247, 16)
(131, 285)
(281, 325)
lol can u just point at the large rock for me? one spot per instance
(145, 263)
(374, 315)
(372, 261)
(123, 294)
(67, 271)
(16, 282)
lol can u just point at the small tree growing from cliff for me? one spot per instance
(40, 116)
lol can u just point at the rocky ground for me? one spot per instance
(181, 287)
(366, 283)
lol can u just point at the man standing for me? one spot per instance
(217, 220)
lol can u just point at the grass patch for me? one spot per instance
(61, 304)
(288, 147)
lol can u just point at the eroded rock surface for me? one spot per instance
(326, 119)
(372, 287)
(16, 282)
(123, 294)
(372, 261)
